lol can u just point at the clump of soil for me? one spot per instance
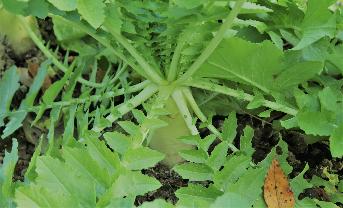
(170, 180)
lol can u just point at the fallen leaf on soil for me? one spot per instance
(277, 192)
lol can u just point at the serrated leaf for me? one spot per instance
(246, 141)
(263, 63)
(328, 99)
(157, 203)
(196, 196)
(141, 158)
(68, 135)
(265, 114)
(129, 127)
(192, 140)
(245, 191)
(55, 175)
(194, 172)
(318, 23)
(93, 11)
(196, 156)
(52, 92)
(118, 141)
(154, 123)
(234, 167)
(298, 73)
(6, 175)
(190, 4)
(206, 142)
(229, 128)
(64, 5)
(101, 153)
(256, 102)
(39, 196)
(8, 86)
(31, 173)
(127, 202)
(139, 115)
(250, 7)
(336, 142)
(315, 123)
(133, 184)
(231, 199)
(113, 18)
(80, 159)
(218, 156)
(17, 118)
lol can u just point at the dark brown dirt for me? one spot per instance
(170, 180)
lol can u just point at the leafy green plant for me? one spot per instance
(159, 59)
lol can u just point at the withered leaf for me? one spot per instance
(277, 192)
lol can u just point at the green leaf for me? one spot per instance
(258, 70)
(129, 127)
(68, 134)
(118, 141)
(127, 202)
(298, 73)
(15, 6)
(234, 167)
(318, 23)
(113, 18)
(141, 158)
(196, 156)
(157, 203)
(265, 114)
(328, 99)
(218, 156)
(336, 142)
(64, 5)
(194, 172)
(39, 196)
(8, 86)
(315, 123)
(231, 199)
(101, 153)
(80, 159)
(6, 175)
(229, 128)
(206, 142)
(247, 188)
(52, 92)
(196, 196)
(192, 140)
(57, 176)
(133, 184)
(189, 4)
(93, 11)
(17, 118)
(246, 141)
(38, 8)
(250, 7)
(31, 174)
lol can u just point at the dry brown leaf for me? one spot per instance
(277, 192)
